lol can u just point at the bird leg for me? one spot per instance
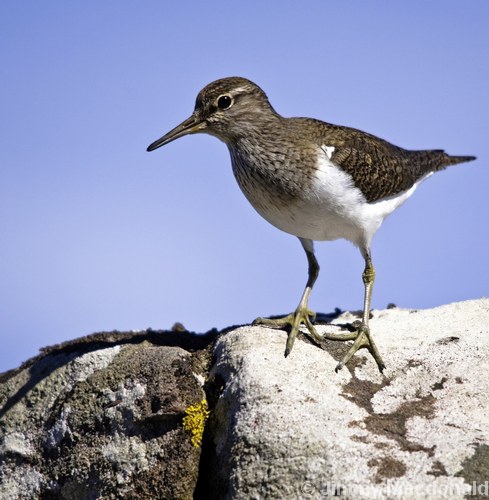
(362, 337)
(302, 315)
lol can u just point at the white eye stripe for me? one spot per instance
(240, 90)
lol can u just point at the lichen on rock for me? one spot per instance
(194, 421)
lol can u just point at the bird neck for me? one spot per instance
(253, 128)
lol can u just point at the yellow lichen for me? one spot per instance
(194, 421)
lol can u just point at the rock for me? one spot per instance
(121, 415)
(293, 428)
(102, 418)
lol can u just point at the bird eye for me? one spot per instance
(224, 102)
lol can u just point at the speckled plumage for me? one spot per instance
(378, 168)
(312, 179)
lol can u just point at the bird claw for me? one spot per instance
(301, 316)
(362, 340)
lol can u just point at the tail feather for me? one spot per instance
(436, 159)
(453, 160)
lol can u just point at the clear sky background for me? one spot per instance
(97, 234)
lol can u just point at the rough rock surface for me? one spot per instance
(293, 428)
(101, 417)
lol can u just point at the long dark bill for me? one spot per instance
(191, 125)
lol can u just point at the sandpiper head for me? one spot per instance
(225, 108)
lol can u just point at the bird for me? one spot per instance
(314, 180)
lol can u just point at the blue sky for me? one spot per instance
(97, 234)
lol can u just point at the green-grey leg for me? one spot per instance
(302, 315)
(362, 337)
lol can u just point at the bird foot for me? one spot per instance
(301, 316)
(362, 339)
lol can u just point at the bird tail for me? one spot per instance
(436, 159)
(453, 160)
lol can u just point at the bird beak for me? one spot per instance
(191, 125)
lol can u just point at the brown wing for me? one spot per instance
(380, 169)
(377, 174)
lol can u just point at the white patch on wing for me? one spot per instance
(329, 151)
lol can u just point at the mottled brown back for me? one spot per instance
(379, 169)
